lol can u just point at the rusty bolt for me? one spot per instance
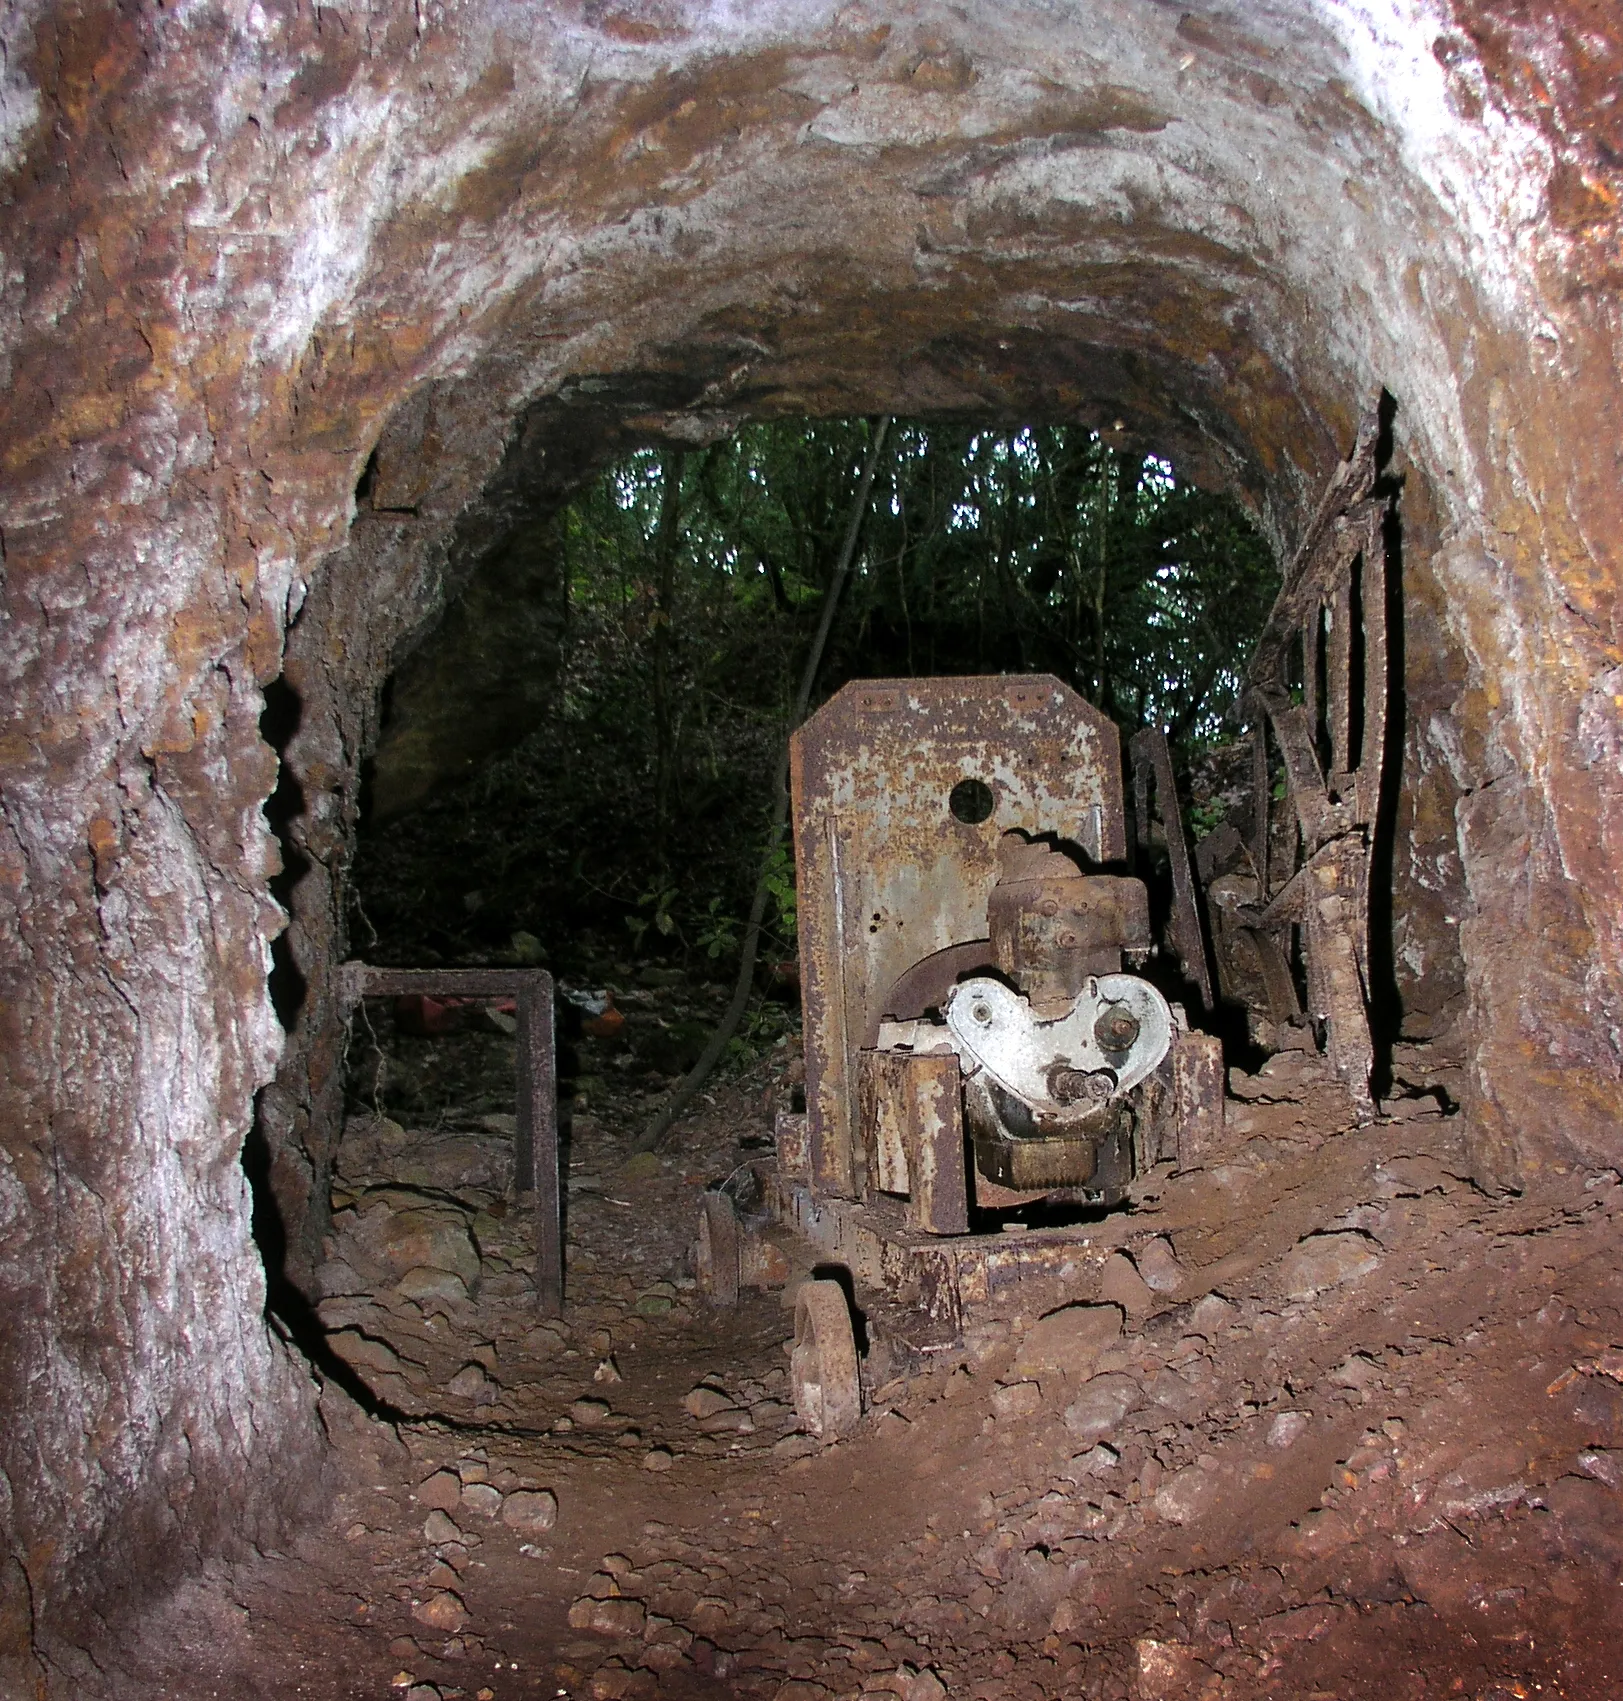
(1116, 1028)
(1080, 1086)
(981, 1011)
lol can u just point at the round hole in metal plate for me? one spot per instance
(971, 802)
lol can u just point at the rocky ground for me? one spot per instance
(1320, 1420)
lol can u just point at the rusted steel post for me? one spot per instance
(1152, 759)
(536, 1047)
(527, 1122)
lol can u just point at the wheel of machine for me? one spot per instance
(823, 1361)
(717, 1263)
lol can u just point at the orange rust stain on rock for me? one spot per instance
(638, 25)
(657, 132)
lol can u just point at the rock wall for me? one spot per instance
(248, 244)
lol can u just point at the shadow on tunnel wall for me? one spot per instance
(1384, 1001)
(277, 726)
(287, 1306)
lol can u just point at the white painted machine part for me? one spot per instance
(995, 1029)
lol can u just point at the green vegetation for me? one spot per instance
(694, 582)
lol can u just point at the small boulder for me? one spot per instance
(613, 1617)
(1212, 1314)
(1120, 1284)
(1165, 1669)
(1096, 1461)
(480, 1497)
(425, 1282)
(1158, 1265)
(469, 1382)
(705, 1401)
(730, 1421)
(438, 1528)
(531, 1512)
(1101, 1405)
(1187, 1495)
(442, 1610)
(364, 1353)
(441, 1492)
(1604, 1464)
(422, 1237)
(1068, 1342)
(1324, 1261)
(1358, 1371)
(914, 1685)
(1016, 1400)
(1286, 1429)
(657, 1459)
(591, 1414)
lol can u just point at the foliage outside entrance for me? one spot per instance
(694, 582)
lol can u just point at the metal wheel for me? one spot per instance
(717, 1264)
(823, 1361)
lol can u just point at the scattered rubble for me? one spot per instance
(1235, 1462)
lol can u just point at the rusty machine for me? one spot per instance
(986, 1064)
(982, 1042)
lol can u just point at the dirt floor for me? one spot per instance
(1324, 1421)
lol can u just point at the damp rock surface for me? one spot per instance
(307, 311)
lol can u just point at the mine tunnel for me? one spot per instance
(1288, 1360)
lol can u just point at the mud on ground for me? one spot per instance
(1333, 1423)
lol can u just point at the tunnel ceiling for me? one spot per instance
(247, 244)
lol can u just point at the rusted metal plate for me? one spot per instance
(1197, 1081)
(938, 1197)
(913, 1129)
(882, 1098)
(535, 1155)
(888, 873)
(789, 1141)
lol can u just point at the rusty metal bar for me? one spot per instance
(1373, 593)
(1152, 755)
(538, 1060)
(1197, 1077)
(1262, 802)
(535, 1148)
(1338, 676)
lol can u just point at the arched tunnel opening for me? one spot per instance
(576, 770)
(324, 328)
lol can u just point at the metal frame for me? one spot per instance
(535, 1155)
(1336, 583)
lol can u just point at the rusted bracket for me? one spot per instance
(535, 1153)
(1152, 759)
